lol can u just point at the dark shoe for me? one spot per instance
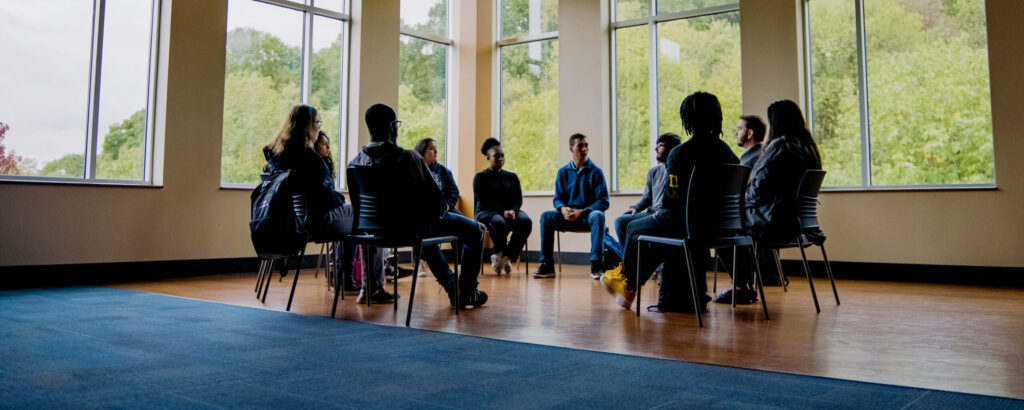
(380, 296)
(596, 270)
(743, 297)
(685, 307)
(473, 299)
(546, 270)
(449, 288)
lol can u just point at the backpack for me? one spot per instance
(275, 227)
(612, 251)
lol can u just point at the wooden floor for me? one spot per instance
(958, 338)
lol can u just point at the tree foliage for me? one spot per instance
(423, 84)
(8, 159)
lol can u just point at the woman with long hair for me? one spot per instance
(498, 199)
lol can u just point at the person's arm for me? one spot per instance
(601, 203)
(476, 194)
(765, 174)
(451, 194)
(429, 193)
(517, 191)
(559, 200)
(647, 199)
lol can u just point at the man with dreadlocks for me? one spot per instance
(701, 116)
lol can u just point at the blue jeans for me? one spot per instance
(470, 237)
(623, 221)
(552, 221)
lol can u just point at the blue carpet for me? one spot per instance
(100, 347)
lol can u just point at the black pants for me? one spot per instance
(674, 272)
(500, 227)
(744, 273)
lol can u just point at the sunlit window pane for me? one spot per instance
(125, 82)
(928, 92)
(422, 93)
(328, 48)
(44, 80)
(332, 5)
(262, 82)
(425, 16)
(633, 107)
(674, 6)
(631, 9)
(521, 18)
(529, 112)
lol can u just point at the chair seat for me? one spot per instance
(805, 241)
(708, 243)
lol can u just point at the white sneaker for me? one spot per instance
(507, 264)
(496, 263)
(423, 271)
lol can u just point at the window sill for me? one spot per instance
(911, 188)
(76, 182)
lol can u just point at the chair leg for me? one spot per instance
(714, 282)
(638, 286)
(828, 269)
(367, 283)
(394, 251)
(782, 275)
(269, 276)
(412, 291)
(295, 280)
(693, 286)
(259, 276)
(558, 240)
(733, 276)
(759, 282)
(457, 287)
(319, 257)
(284, 270)
(337, 291)
(807, 270)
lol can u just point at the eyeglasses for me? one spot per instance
(396, 124)
(318, 122)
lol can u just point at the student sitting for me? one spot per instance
(497, 199)
(654, 189)
(449, 191)
(581, 198)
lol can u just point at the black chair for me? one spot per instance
(808, 232)
(714, 220)
(374, 226)
(268, 260)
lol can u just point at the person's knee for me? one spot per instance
(547, 219)
(596, 217)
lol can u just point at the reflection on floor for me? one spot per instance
(945, 337)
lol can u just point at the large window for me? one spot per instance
(424, 51)
(900, 92)
(660, 58)
(280, 54)
(76, 90)
(528, 90)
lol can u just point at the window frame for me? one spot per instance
(450, 44)
(651, 21)
(91, 151)
(496, 86)
(864, 107)
(309, 12)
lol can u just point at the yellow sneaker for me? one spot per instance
(615, 283)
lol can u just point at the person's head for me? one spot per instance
(299, 130)
(749, 131)
(323, 145)
(427, 149)
(495, 155)
(382, 123)
(701, 115)
(579, 147)
(666, 142)
(786, 119)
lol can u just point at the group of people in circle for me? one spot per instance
(777, 152)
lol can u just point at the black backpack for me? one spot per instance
(278, 218)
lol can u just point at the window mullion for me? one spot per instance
(652, 30)
(147, 136)
(862, 79)
(307, 57)
(92, 117)
(615, 109)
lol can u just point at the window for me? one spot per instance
(899, 92)
(278, 55)
(424, 51)
(76, 102)
(528, 90)
(696, 47)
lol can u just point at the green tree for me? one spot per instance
(123, 153)
(70, 165)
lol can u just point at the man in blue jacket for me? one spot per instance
(581, 197)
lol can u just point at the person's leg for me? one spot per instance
(521, 229)
(653, 256)
(548, 220)
(620, 226)
(470, 234)
(499, 233)
(595, 221)
(437, 263)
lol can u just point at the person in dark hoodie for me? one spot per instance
(701, 115)
(414, 199)
(328, 216)
(498, 202)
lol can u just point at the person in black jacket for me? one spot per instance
(701, 115)
(498, 199)
(771, 194)
(327, 215)
(442, 175)
(413, 203)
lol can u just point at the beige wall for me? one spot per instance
(190, 217)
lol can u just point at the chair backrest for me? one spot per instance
(374, 203)
(714, 201)
(807, 199)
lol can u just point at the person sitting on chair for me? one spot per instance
(442, 175)
(650, 202)
(412, 180)
(701, 115)
(581, 197)
(497, 199)
(294, 148)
